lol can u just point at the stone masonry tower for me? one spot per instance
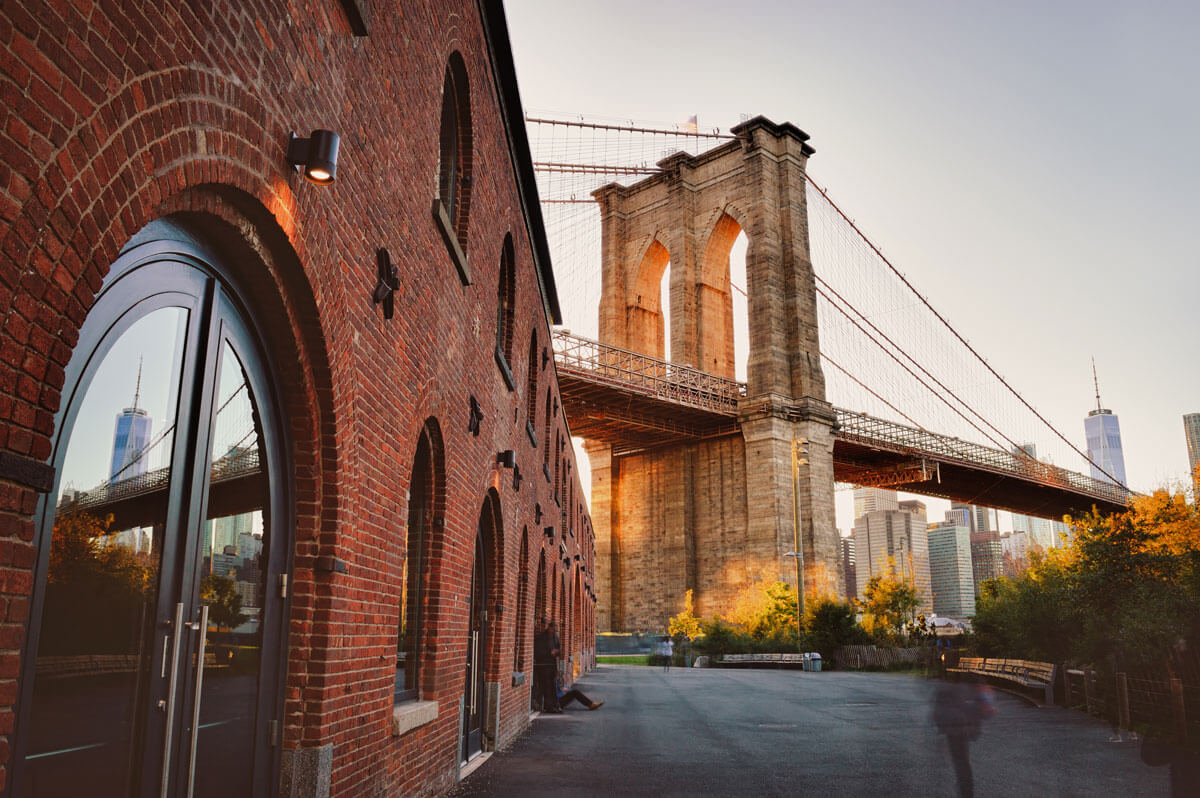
(715, 515)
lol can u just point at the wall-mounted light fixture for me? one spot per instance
(549, 532)
(317, 154)
(506, 458)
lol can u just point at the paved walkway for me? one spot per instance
(726, 732)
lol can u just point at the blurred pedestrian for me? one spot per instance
(959, 710)
(666, 650)
(546, 648)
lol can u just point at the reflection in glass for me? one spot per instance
(232, 577)
(97, 631)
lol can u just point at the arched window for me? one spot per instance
(450, 208)
(521, 645)
(531, 390)
(546, 447)
(506, 305)
(423, 493)
(557, 467)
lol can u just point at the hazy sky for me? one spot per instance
(1032, 167)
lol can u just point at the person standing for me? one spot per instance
(545, 664)
(666, 650)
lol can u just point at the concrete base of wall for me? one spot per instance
(306, 772)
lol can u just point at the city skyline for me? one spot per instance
(977, 181)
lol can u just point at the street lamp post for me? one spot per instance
(799, 447)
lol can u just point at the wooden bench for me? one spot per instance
(762, 659)
(1026, 673)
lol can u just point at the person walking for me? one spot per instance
(546, 649)
(958, 712)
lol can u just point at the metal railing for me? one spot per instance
(630, 371)
(649, 376)
(875, 431)
(238, 463)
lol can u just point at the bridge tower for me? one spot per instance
(715, 515)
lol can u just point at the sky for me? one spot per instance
(1033, 168)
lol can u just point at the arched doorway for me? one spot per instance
(158, 634)
(474, 716)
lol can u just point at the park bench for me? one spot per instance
(1026, 673)
(778, 660)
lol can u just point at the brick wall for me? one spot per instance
(114, 115)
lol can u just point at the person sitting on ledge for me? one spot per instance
(575, 694)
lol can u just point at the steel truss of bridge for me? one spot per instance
(634, 403)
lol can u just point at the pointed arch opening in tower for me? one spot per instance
(648, 314)
(723, 332)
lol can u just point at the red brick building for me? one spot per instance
(283, 474)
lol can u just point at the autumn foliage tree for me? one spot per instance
(685, 624)
(1124, 591)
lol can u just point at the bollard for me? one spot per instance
(1122, 702)
(1177, 713)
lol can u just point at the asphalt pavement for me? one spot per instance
(732, 732)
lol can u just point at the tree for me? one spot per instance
(1119, 597)
(766, 610)
(830, 624)
(224, 601)
(685, 624)
(888, 602)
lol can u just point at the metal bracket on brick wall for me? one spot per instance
(476, 417)
(387, 281)
(331, 565)
(26, 471)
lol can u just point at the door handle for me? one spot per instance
(170, 702)
(475, 664)
(203, 630)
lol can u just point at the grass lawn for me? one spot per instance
(623, 659)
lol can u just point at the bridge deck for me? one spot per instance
(634, 402)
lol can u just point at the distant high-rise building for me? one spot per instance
(1015, 547)
(849, 575)
(1103, 432)
(130, 439)
(979, 519)
(894, 540)
(961, 516)
(915, 508)
(987, 557)
(869, 499)
(1191, 432)
(950, 572)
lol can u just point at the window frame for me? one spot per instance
(451, 205)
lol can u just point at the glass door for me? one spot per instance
(159, 638)
(474, 691)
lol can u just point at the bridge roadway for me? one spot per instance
(725, 732)
(634, 402)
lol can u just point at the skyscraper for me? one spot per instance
(849, 574)
(1191, 432)
(894, 541)
(987, 557)
(950, 574)
(1103, 432)
(130, 439)
(868, 499)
